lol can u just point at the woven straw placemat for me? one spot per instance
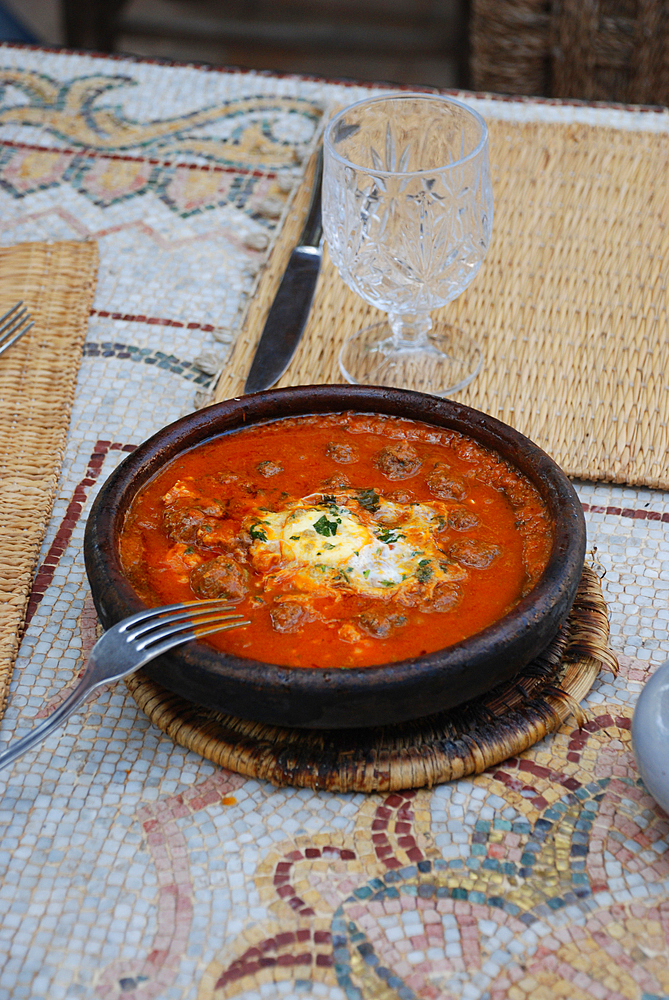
(37, 379)
(570, 305)
(425, 752)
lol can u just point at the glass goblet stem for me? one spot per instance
(410, 329)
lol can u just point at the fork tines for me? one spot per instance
(13, 325)
(165, 625)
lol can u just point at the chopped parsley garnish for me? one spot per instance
(207, 527)
(189, 551)
(294, 538)
(257, 533)
(365, 573)
(389, 535)
(369, 499)
(325, 527)
(387, 583)
(424, 571)
(328, 546)
(329, 500)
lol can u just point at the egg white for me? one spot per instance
(324, 547)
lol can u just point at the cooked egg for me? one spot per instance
(328, 535)
(321, 547)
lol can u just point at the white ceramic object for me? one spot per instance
(650, 735)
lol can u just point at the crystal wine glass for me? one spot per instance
(407, 214)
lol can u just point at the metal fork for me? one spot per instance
(13, 325)
(126, 647)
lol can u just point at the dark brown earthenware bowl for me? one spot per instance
(336, 699)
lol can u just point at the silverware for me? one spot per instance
(13, 325)
(288, 314)
(125, 648)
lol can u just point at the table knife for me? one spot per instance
(288, 314)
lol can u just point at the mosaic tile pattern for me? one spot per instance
(131, 868)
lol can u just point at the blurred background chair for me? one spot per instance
(405, 41)
(12, 28)
(596, 50)
(610, 50)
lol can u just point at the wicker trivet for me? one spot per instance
(427, 751)
(37, 377)
(569, 307)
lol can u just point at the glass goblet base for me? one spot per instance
(441, 361)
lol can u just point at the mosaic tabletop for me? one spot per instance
(133, 868)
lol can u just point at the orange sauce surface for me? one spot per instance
(347, 539)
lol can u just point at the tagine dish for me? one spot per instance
(350, 539)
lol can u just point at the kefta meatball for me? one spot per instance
(473, 553)
(444, 484)
(444, 597)
(398, 461)
(338, 482)
(462, 519)
(220, 577)
(289, 616)
(344, 454)
(401, 496)
(184, 519)
(380, 624)
(269, 468)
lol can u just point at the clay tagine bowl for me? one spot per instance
(358, 697)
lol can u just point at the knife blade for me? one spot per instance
(289, 311)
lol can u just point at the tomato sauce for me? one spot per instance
(348, 539)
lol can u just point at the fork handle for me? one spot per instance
(54, 721)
